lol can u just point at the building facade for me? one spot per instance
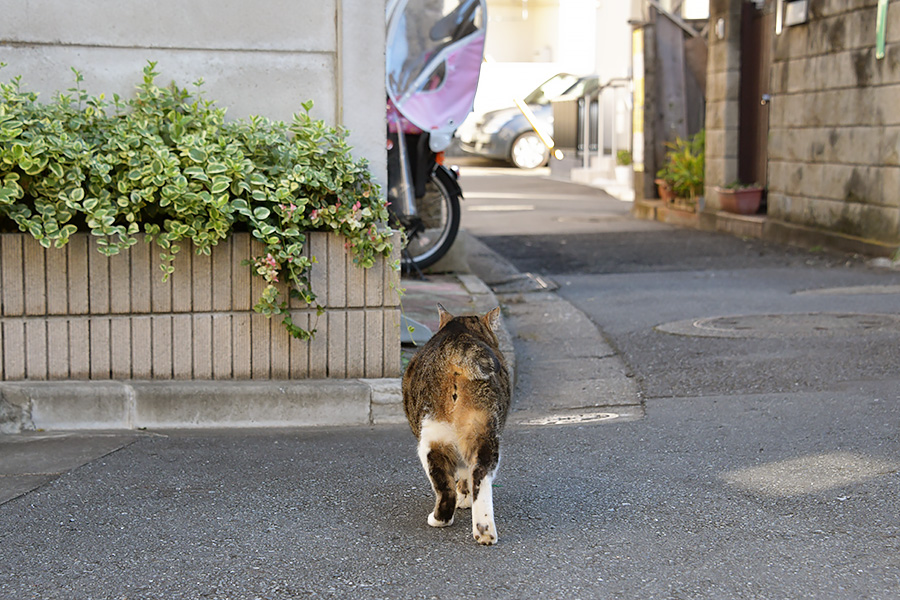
(824, 76)
(255, 58)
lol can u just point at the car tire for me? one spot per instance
(528, 151)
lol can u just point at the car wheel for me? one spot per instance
(528, 151)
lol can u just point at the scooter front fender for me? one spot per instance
(451, 178)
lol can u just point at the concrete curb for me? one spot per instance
(764, 228)
(557, 338)
(485, 300)
(116, 405)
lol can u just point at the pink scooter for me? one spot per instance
(434, 51)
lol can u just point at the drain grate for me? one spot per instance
(524, 282)
(784, 325)
(572, 419)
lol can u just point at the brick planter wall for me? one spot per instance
(73, 313)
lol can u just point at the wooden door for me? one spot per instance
(757, 31)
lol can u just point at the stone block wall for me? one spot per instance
(73, 313)
(722, 99)
(834, 132)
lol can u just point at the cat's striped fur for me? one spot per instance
(456, 394)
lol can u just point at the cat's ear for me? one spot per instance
(445, 316)
(492, 319)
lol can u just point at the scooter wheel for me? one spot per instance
(437, 222)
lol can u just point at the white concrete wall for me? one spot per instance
(501, 84)
(613, 47)
(522, 33)
(261, 58)
(528, 42)
(578, 35)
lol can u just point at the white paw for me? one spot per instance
(463, 500)
(485, 533)
(438, 523)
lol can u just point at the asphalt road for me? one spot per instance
(702, 498)
(643, 282)
(765, 462)
(767, 355)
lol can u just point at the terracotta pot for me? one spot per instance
(740, 201)
(665, 192)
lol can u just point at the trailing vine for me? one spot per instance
(167, 164)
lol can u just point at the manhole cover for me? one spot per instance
(786, 325)
(572, 419)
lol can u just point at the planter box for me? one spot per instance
(669, 199)
(73, 313)
(740, 201)
(678, 216)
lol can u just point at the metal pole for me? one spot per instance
(543, 135)
(586, 131)
(615, 134)
(600, 125)
(407, 196)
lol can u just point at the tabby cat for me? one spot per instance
(456, 396)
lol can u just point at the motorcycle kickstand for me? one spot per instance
(419, 275)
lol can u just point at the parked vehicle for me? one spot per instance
(433, 59)
(506, 134)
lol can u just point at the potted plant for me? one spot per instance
(740, 198)
(623, 167)
(664, 190)
(682, 173)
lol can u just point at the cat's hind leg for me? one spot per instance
(463, 486)
(439, 458)
(484, 530)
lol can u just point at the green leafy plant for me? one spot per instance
(166, 163)
(738, 186)
(623, 158)
(684, 165)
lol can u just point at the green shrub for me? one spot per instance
(684, 166)
(167, 164)
(623, 158)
